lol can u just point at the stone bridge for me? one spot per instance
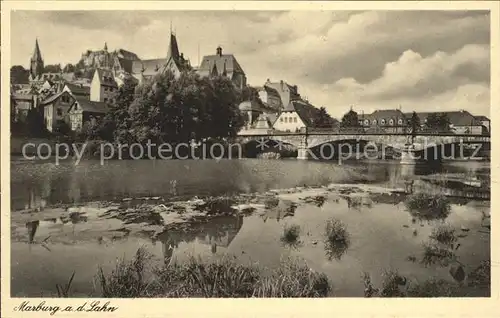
(304, 141)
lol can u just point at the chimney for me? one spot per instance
(281, 84)
(219, 51)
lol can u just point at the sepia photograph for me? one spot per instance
(248, 154)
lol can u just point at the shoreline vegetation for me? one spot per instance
(228, 278)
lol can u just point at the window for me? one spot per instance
(286, 119)
(281, 119)
(59, 111)
(295, 119)
(382, 122)
(400, 121)
(105, 89)
(105, 100)
(391, 121)
(367, 122)
(65, 99)
(374, 122)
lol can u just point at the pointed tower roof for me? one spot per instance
(214, 72)
(37, 55)
(173, 48)
(224, 72)
(105, 46)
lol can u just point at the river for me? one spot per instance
(383, 233)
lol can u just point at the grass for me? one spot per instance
(426, 206)
(396, 285)
(444, 234)
(291, 234)
(127, 279)
(221, 278)
(293, 279)
(481, 276)
(435, 254)
(336, 238)
(65, 292)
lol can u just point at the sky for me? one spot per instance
(367, 60)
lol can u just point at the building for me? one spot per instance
(77, 90)
(285, 91)
(146, 70)
(388, 120)
(36, 63)
(295, 117)
(84, 110)
(103, 87)
(461, 122)
(223, 65)
(23, 103)
(251, 111)
(270, 97)
(55, 109)
(485, 121)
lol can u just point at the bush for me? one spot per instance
(428, 206)
(444, 234)
(336, 238)
(291, 235)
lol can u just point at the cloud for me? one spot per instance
(337, 58)
(442, 81)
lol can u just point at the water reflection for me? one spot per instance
(35, 185)
(219, 232)
(32, 227)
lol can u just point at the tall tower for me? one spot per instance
(36, 62)
(173, 48)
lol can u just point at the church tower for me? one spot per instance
(36, 62)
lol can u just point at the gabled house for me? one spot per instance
(55, 108)
(77, 90)
(270, 97)
(286, 92)
(295, 117)
(223, 65)
(84, 110)
(103, 87)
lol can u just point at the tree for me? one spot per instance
(414, 122)
(115, 125)
(35, 124)
(350, 119)
(62, 128)
(69, 68)
(249, 93)
(438, 122)
(179, 110)
(55, 68)
(322, 119)
(19, 75)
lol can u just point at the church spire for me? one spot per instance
(37, 56)
(215, 72)
(173, 48)
(36, 62)
(224, 72)
(105, 46)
